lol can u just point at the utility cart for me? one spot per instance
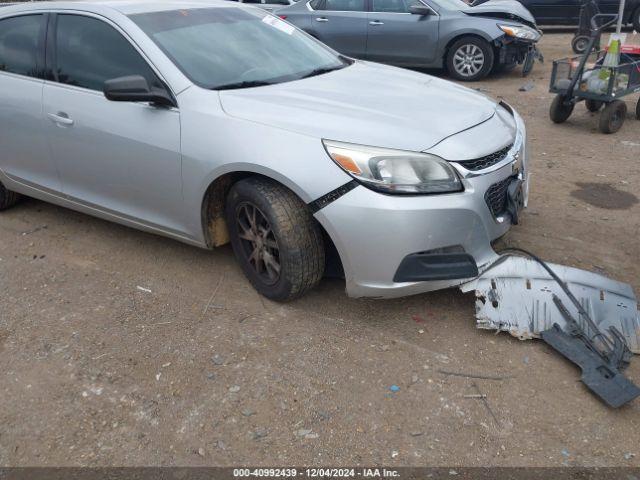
(588, 78)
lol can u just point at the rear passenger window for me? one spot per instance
(89, 52)
(19, 39)
(394, 6)
(344, 5)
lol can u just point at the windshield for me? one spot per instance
(221, 47)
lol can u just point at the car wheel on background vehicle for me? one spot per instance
(275, 238)
(559, 111)
(613, 116)
(593, 105)
(7, 198)
(469, 59)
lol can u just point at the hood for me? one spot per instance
(365, 103)
(503, 9)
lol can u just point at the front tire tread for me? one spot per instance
(297, 232)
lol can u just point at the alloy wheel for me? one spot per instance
(468, 60)
(259, 244)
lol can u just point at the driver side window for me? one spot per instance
(89, 52)
(340, 5)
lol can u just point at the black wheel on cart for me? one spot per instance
(579, 43)
(612, 117)
(593, 105)
(638, 109)
(560, 111)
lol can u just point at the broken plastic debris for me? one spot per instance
(599, 373)
(515, 295)
(394, 388)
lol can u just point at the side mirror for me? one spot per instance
(419, 10)
(134, 88)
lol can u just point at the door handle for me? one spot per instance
(60, 118)
(322, 19)
(376, 22)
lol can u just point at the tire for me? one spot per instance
(593, 105)
(288, 238)
(463, 55)
(613, 116)
(7, 198)
(559, 112)
(638, 109)
(579, 44)
(635, 18)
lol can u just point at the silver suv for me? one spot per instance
(187, 120)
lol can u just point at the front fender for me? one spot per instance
(453, 28)
(214, 144)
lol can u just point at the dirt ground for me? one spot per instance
(96, 371)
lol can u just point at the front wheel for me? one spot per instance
(613, 116)
(7, 197)
(560, 110)
(275, 238)
(470, 59)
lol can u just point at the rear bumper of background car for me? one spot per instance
(393, 245)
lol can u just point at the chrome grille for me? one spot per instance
(486, 161)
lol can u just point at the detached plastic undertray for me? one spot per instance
(515, 295)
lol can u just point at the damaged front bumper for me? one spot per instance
(513, 51)
(395, 245)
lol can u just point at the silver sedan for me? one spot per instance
(186, 120)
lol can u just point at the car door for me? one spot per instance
(24, 152)
(341, 24)
(120, 157)
(394, 35)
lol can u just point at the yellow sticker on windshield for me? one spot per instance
(275, 22)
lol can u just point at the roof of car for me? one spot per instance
(126, 7)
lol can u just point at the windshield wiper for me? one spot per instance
(320, 71)
(245, 84)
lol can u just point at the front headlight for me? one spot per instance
(521, 31)
(394, 171)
